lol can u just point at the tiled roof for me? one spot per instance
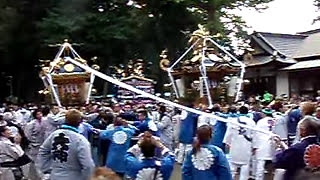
(304, 65)
(261, 60)
(258, 60)
(310, 47)
(288, 48)
(309, 32)
(286, 44)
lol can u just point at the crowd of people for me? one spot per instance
(274, 140)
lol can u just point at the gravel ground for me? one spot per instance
(176, 174)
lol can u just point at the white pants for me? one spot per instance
(264, 170)
(244, 171)
(182, 152)
(279, 174)
(253, 166)
(260, 169)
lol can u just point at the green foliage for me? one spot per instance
(317, 4)
(8, 15)
(123, 31)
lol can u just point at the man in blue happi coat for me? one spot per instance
(120, 137)
(220, 128)
(141, 163)
(145, 124)
(294, 116)
(100, 147)
(188, 127)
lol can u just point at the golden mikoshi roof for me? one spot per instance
(190, 65)
(59, 66)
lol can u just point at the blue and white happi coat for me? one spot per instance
(188, 127)
(147, 125)
(210, 163)
(149, 168)
(120, 138)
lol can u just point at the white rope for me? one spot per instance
(92, 77)
(128, 87)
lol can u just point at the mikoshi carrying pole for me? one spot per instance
(242, 65)
(203, 70)
(175, 88)
(92, 77)
(53, 89)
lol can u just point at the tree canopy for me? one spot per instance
(317, 4)
(117, 32)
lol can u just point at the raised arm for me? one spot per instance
(164, 122)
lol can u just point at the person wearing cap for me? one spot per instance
(264, 143)
(66, 154)
(267, 97)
